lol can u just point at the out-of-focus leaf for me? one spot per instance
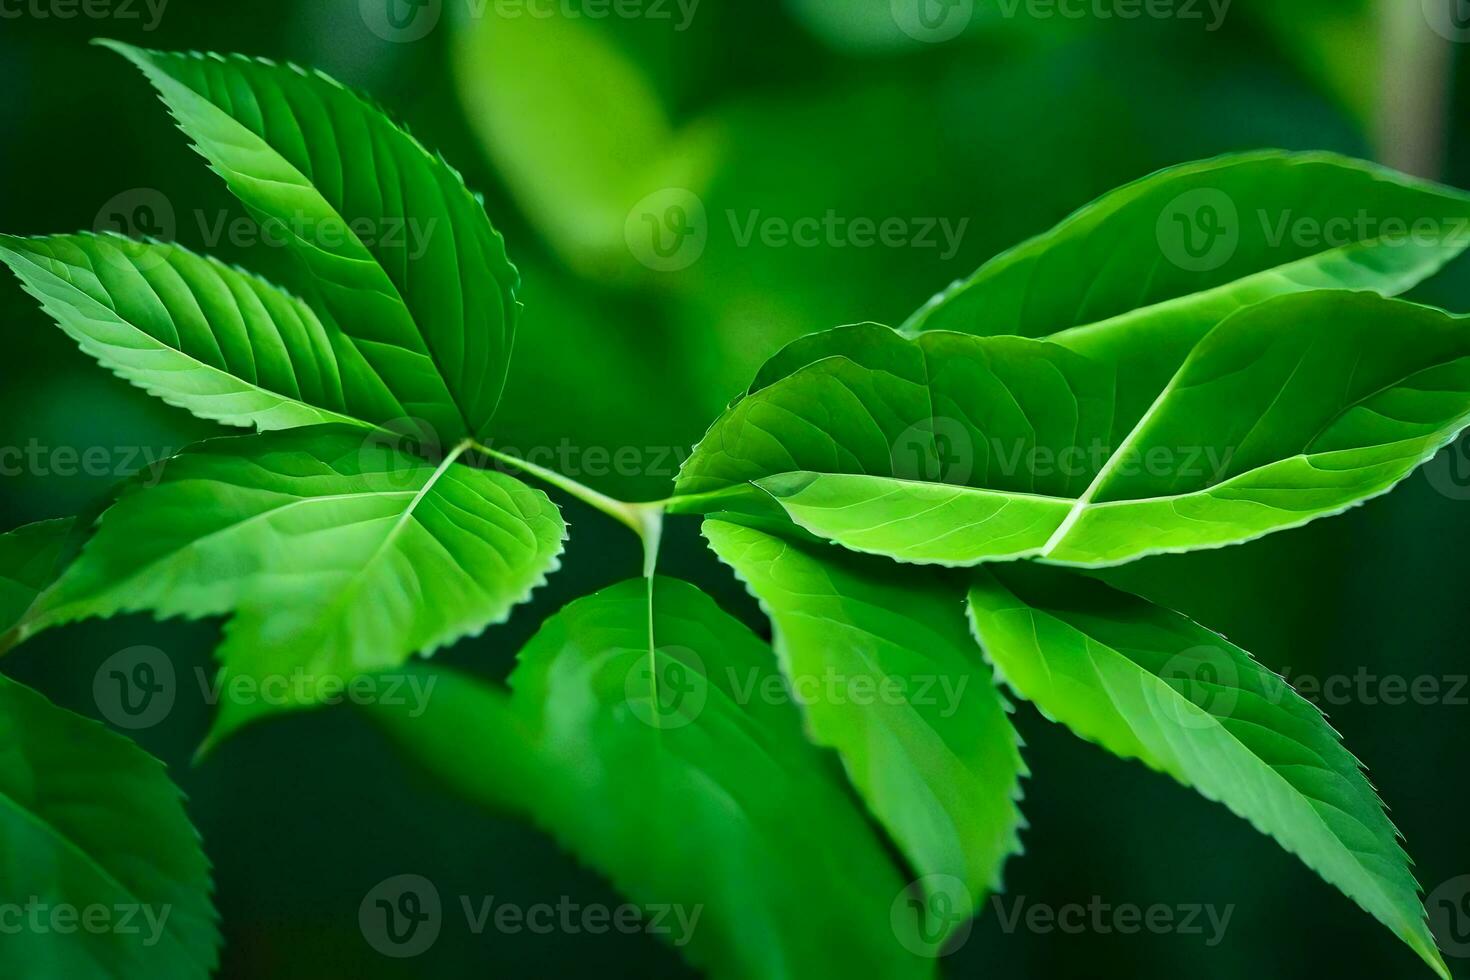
(649, 744)
(30, 560)
(91, 826)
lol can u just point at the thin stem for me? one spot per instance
(652, 535)
(643, 519)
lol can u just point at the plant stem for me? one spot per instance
(645, 520)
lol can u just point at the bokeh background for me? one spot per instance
(997, 122)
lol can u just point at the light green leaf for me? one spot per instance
(90, 825)
(956, 450)
(572, 121)
(882, 662)
(197, 333)
(661, 760)
(335, 555)
(1141, 275)
(394, 252)
(1151, 685)
(30, 559)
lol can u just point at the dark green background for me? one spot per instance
(1011, 126)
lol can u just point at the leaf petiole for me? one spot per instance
(645, 520)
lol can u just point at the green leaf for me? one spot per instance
(393, 251)
(1286, 222)
(90, 826)
(882, 662)
(573, 122)
(1138, 277)
(956, 450)
(30, 559)
(199, 334)
(647, 743)
(335, 554)
(1151, 685)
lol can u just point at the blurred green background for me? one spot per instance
(995, 124)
